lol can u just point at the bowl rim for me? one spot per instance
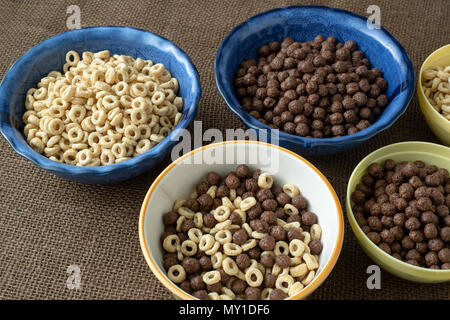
(363, 135)
(23, 148)
(358, 232)
(420, 86)
(182, 294)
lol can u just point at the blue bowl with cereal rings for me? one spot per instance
(304, 23)
(50, 55)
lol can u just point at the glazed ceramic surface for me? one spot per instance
(50, 55)
(437, 123)
(405, 151)
(179, 179)
(303, 23)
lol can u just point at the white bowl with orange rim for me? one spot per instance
(179, 179)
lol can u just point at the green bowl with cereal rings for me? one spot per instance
(428, 153)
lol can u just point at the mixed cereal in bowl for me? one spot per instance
(241, 236)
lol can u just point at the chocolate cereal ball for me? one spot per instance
(277, 294)
(252, 293)
(267, 243)
(238, 286)
(402, 208)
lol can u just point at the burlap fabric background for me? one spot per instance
(47, 224)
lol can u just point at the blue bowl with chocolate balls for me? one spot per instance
(325, 79)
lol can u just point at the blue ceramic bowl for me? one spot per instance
(50, 55)
(304, 23)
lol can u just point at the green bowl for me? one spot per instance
(405, 151)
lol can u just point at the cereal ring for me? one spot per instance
(296, 248)
(107, 157)
(110, 102)
(52, 151)
(69, 155)
(291, 190)
(310, 261)
(213, 296)
(284, 282)
(179, 224)
(265, 181)
(230, 267)
(98, 118)
(171, 242)
(158, 98)
(145, 131)
(247, 203)
(165, 122)
(227, 293)
(94, 138)
(52, 141)
(195, 235)
(138, 116)
(281, 247)
(316, 232)
(290, 210)
(75, 134)
(211, 277)
(156, 138)
(106, 142)
(249, 244)
(212, 191)
(138, 90)
(232, 249)
(121, 89)
(223, 236)
(189, 248)
(254, 277)
(57, 157)
(299, 271)
(55, 127)
(258, 235)
(227, 203)
(132, 132)
(206, 242)
(87, 124)
(119, 150)
(177, 119)
(180, 256)
(198, 219)
(72, 58)
(295, 288)
(307, 237)
(265, 293)
(186, 212)
(276, 270)
(214, 249)
(217, 260)
(309, 278)
(292, 225)
(223, 225)
(156, 70)
(84, 157)
(176, 273)
(222, 213)
(233, 195)
(178, 204)
(296, 261)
